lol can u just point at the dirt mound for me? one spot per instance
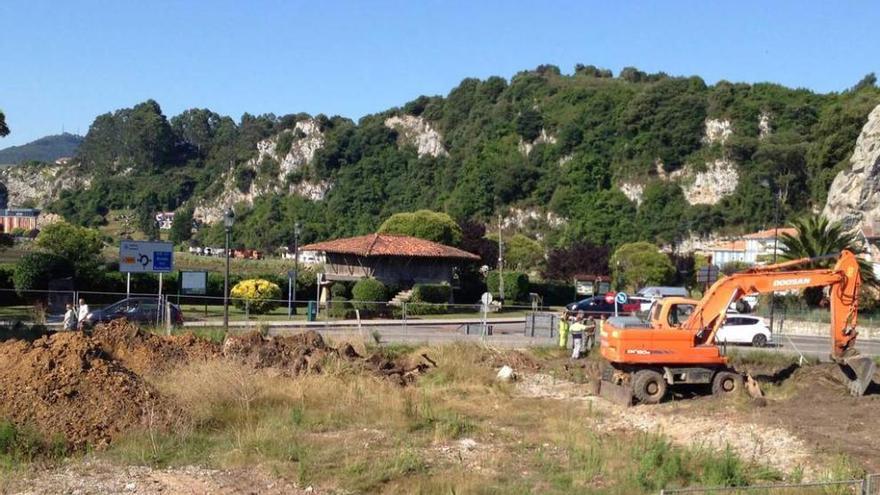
(144, 352)
(65, 384)
(299, 353)
(306, 352)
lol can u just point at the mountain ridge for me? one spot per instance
(44, 149)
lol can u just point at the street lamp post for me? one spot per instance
(777, 199)
(228, 221)
(291, 291)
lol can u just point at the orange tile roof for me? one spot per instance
(770, 233)
(389, 245)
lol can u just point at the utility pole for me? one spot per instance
(500, 263)
(778, 197)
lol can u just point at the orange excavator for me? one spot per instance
(677, 345)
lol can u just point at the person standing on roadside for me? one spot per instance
(70, 319)
(82, 312)
(563, 329)
(577, 335)
(589, 333)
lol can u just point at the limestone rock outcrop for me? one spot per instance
(854, 196)
(418, 132)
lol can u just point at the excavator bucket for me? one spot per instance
(859, 372)
(618, 394)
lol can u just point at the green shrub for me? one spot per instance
(338, 289)
(431, 293)
(420, 308)
(340, 307)
(34, 271)
(368, 294)
(516, 286)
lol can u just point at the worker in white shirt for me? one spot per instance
(82, 312)
(70, 319)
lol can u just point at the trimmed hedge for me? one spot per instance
(431, 293)
(516, 286)
(554, 293)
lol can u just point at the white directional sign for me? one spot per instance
(146, 257)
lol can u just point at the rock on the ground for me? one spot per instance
(506, 374)
(854, 196)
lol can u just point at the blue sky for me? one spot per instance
(63, 63)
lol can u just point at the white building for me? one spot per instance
(751, 249)
(165, 219)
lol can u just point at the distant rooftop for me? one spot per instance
(390, 245)
(770, 233)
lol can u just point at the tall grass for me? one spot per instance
(348, 429)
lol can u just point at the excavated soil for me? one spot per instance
(65, 384)
(89, 389)
(144, 352)
(819, 410)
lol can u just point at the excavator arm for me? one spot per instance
(844, 279)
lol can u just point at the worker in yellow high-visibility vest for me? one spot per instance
(564, 326)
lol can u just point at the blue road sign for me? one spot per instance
(621, 298)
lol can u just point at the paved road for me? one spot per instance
(512, 335)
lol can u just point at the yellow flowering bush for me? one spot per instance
(260, 295)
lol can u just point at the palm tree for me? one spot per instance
(816, 236)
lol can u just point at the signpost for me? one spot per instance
(708, 275)
(620, 299)
(146, 257)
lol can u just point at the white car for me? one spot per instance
(645, 303)
(744, 329)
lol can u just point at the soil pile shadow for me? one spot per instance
(144, 352)
(65, 384)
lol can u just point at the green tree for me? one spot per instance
(79, 245)
(4, 129)
(816, 237)
(523, 254)
(638, 264)
(34, 271)
(424, 224)
(181, 227)
(368, 294)
(662, 212)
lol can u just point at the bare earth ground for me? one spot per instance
(807, 420)
(94, 478)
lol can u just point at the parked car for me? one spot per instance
(598, 306)
(657, 292)
(744, 329)
(143, 310)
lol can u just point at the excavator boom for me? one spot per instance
(684, 350)
(844, 279)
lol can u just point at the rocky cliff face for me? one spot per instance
(39, 185)
(306, 139)
(717, 131)
(854, 196)
(633, 191)
(526, 147)
(708, 187)
(418, 132)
